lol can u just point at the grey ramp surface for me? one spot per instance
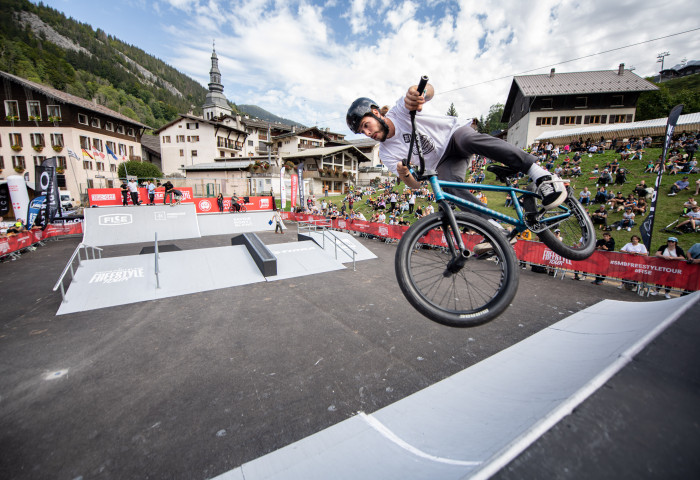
(473, 423)
(123, 225)
(108, 282)
(295, 259)
(344, 248)
(234, 223)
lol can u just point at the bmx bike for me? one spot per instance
(241, 207)
(436, 265)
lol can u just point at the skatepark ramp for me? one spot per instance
(340, 245)
(474, 423)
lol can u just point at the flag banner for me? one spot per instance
(295, 190)
(647, 227)
(283, 190)
(85, 152)
(4, 199)
(110, 152)
(36, 214)
(47, 184)
(300, 172)
(71, 153)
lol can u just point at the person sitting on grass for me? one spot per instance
(600, 217)
(627, 221)
(679, 186)
(693, 218)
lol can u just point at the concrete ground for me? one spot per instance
(193, 386)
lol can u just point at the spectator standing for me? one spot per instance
(411, 202)
(605, 244)
(133, 191)
(151, 193)
(168, 192)
(694, 253)
(220, 202)
(125, 194)
(670, 251)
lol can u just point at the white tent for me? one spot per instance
(655, 127)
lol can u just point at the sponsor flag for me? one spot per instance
(295, 189)
(46, 184)
(85, 152)
(110, 152)
(36, 212)
(4, 199)
(283, 190)
(647, 227)
(71, 153)
(300, 172)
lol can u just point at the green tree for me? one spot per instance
(452, 112)
(142, 170)
(493, 123)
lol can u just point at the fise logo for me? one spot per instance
(205, 205)
(264, 203)
(116, 219)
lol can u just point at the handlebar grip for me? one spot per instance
(422, 84)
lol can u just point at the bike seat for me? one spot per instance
(502, 172)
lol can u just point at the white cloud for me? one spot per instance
(295, 59)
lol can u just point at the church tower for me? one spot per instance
(215, 105)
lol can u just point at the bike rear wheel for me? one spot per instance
(243, 209)
(577, 232)
(480, 291)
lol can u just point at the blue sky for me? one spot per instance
(307, 60)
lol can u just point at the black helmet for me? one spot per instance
(359, 109)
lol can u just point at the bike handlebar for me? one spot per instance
(421, 89)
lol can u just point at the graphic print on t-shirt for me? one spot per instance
(425, 142)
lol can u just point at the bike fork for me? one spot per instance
(460, 254)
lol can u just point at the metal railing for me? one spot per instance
(324, 227)
(96, 253)
(155, 251)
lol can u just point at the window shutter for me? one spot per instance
(554, 120)
(603, 118)
(578, 120)
(587, 119)
(539, 121)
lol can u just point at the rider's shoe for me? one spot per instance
(552, 190)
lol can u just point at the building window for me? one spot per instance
(97, 144)
(84, 143)
(87, 165)
(34, 110)
(90, 181)
(11, 110)
(193, 138)
(61, 162)
(194, 153)
(131, 150)
(546, 103)
(95, 122)
(2, 163)
(617, 101)
(120, 129)
(618, 118)
(568, 120)
(122, 149)
(182, 153)
(222, 153)
(250, 143)
(166, 138)
(54, 113)
(192, 126)
(180, 139)
(82, 119)
(581, 102)
(16, 140)
(546, 121)
(112, 167)
(18, 162)
(109, 126)
(592, 119)
(100, 166)
(130, 132)
(39, 159)
(37, 140)
(57, 140)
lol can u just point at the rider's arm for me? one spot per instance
(403, 172)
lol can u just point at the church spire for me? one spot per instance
(215, 105)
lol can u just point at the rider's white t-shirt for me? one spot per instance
(434, 133)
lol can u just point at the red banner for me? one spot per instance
(624, 266)
(295, 189)
(209, 205)
(13, 243)
(107, 197)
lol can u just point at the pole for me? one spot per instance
(647, 227)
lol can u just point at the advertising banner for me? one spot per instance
(109, 197)
(23, 240)
(283, 190)
(294, 189)
(46, 184)
(4, 200)
(208, 205)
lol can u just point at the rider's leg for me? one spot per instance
(454, 169)
(465, 141)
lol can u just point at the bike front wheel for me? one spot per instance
(576, 240)
(243, 209)
(477, 293)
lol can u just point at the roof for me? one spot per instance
(64, 97)
(603, 81)
(681, 66)
(227, 164)
(656, 126)
(324, 151)
(301, 132)
(151, 142)
(199, 119)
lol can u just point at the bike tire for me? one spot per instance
(577, 231)
(476, 294)
(243, 209)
